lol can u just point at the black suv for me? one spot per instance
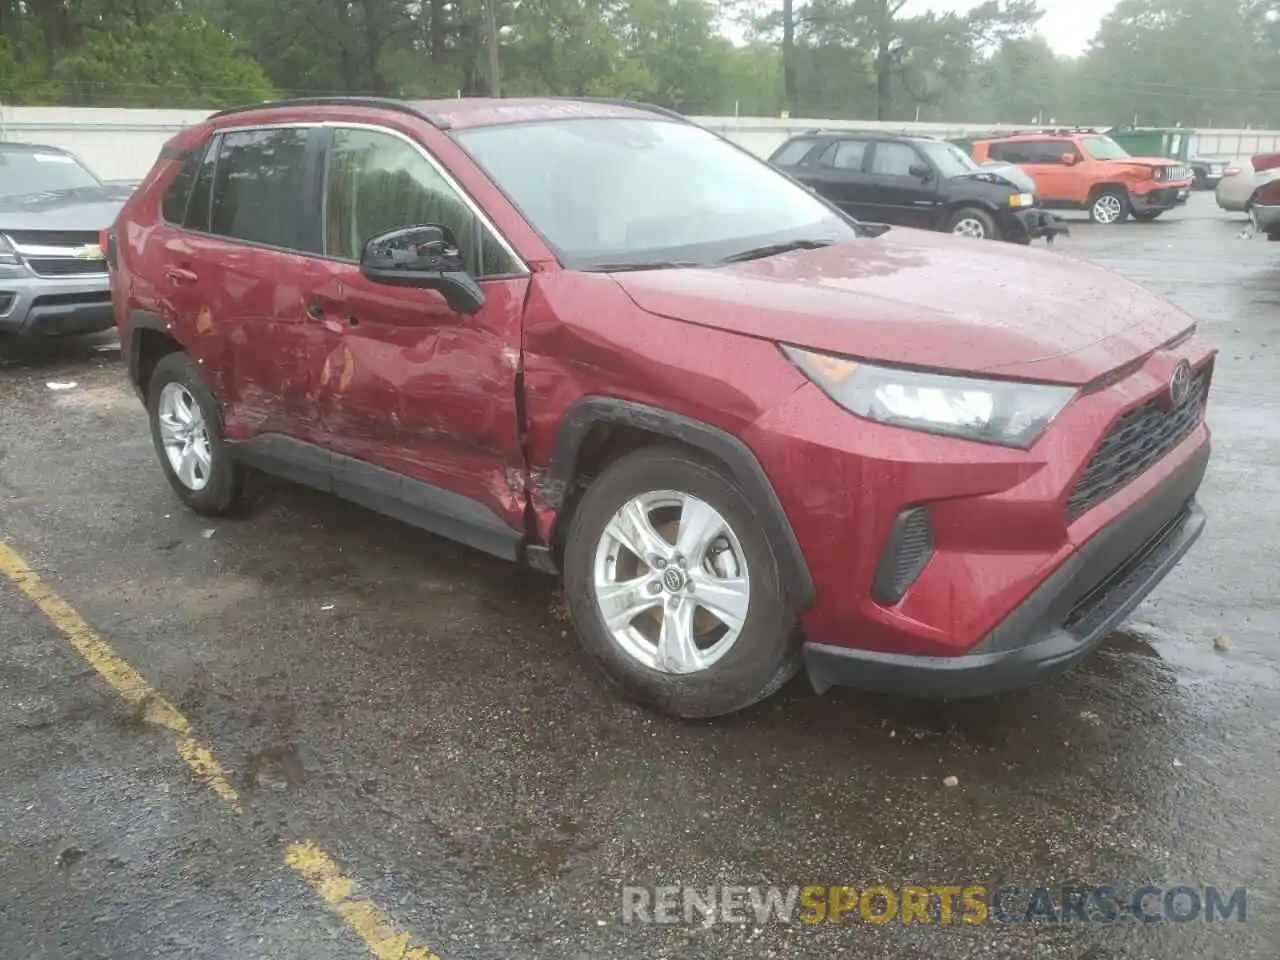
(917, 182)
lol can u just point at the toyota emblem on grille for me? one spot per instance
(1180, 383)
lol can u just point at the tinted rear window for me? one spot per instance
(790, 154)
(174, 205)
(1031, 151)
(258, 186)
(844, 155)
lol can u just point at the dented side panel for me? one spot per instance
(245, 321)
(404, 382)
(583, 337)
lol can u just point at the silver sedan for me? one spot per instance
(1239, 184)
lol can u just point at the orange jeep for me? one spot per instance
(1090, 171)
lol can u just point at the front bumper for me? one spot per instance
(1023, 226)
(32, 306)
(1060, 623)
(1161, 198)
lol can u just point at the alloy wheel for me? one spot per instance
(1107, 208)
(671, 582)
(185, 436)
(970, 227)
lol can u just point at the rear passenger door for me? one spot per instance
(901, 196)
(1058, 184)
(837, 174)
(233, 277)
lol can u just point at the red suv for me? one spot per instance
(590, 336)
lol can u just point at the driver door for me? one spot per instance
(903, 197)
(405, 383)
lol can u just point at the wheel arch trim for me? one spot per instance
(590, 412)
(140, 320)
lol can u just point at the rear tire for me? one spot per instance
(187, 433)
(973, 222)
(1110, 207)
(665, 646)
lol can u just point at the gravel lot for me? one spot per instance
(421, 713)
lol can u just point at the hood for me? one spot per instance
(1007, 173)
(926, 299)
(1148, 161)
(88, 209)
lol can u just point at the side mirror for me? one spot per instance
(425, 256)
(921, 172)
(1069, 159)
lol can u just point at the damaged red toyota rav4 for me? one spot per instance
(753, 435)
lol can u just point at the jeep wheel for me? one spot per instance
(1109, 206)
(675, 590)
(187, 434)
(972, 222)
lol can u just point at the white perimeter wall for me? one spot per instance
(124, 143)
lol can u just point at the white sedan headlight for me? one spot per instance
(1005, 412)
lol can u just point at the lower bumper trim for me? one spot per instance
(1059, 624)
(1035, 224)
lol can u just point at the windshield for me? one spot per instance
(950, 160)
(1104, 148)
(633, 191)
(35, 171)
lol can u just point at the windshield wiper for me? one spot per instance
(773, 249)
(641, 265)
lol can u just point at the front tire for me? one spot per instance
(674, 589)
(1109, 207)
(973, 222)
(187, 434)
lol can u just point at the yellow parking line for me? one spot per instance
(363, 917)
(372, 925)
(128, 682)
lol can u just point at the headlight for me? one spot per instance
(7, 253)
(1023, 200)
(995, 411)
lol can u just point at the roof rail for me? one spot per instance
(382, 103)
(633, 104)
(864, 132)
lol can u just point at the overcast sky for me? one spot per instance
(1068, 25)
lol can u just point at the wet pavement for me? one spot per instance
(422, 713)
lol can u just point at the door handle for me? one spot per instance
(316, 311)
(180, 275)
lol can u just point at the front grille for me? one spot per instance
(1135, 442)
(1173, 173)
(63, 267)
(909, 548)
(1097, 606)
(53, 238)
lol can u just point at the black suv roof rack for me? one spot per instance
(382, 103)
(1029, 132)
(862, 132)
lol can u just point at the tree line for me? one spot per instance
(1159, 62)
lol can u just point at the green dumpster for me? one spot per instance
(1173, 143)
